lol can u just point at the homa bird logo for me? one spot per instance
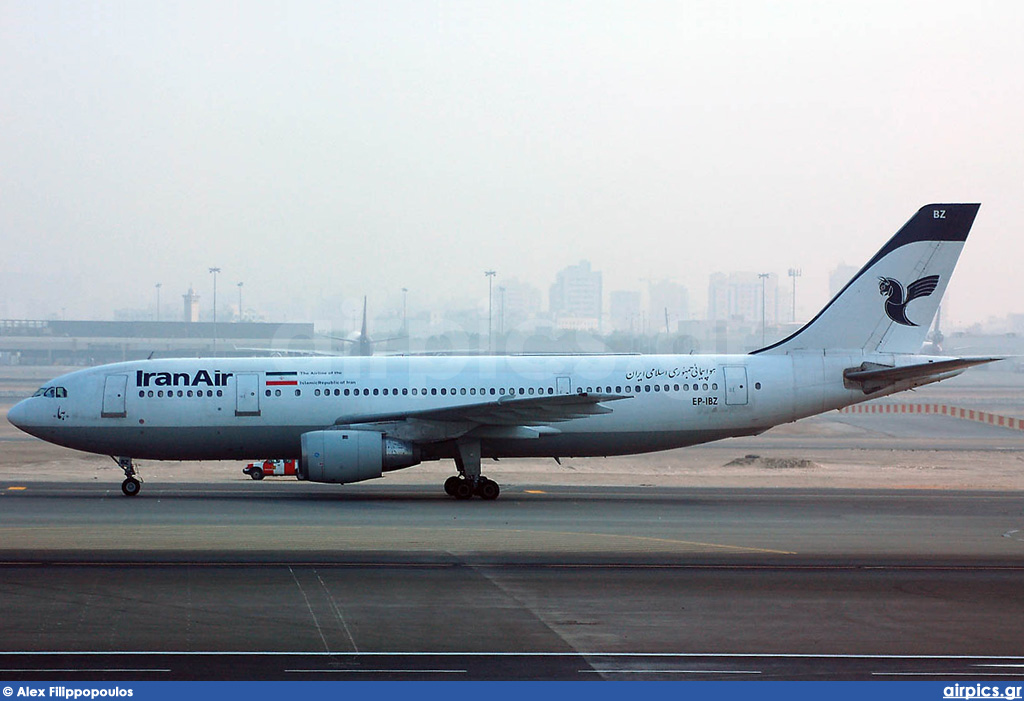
(898, 299)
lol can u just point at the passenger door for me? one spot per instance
(115, 387)
(735, 384)
(247, 394)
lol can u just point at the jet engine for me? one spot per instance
(352, 456)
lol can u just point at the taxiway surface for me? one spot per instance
(287, 580)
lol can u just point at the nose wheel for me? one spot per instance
(132, 484)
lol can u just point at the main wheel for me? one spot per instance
(463, 490)
(450, 485)
(488, 490)
(131, 487)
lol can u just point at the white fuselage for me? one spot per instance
(241, 408)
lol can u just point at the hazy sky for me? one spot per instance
(327, 150)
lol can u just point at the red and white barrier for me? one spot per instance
(939, 409)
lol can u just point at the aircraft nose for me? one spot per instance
(18, 414)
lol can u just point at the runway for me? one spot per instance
(286, 580)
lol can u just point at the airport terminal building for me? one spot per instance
(87, 343)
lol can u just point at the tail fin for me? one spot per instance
(889, 305)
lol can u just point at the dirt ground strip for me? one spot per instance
(856, 458)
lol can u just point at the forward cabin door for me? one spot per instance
(115, 387)
(247, 394)
(735, 384)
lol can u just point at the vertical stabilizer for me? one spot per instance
(889, 305)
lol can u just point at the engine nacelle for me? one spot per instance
(352, 456)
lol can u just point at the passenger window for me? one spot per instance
(298, 393)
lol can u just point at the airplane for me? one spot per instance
(349, 419)
(362, 344)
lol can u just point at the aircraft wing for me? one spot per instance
(871, 377)
(507, 415)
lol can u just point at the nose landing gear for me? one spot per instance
(132, 484)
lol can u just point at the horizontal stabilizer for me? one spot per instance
(871, 377)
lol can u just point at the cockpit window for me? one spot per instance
(51, 392)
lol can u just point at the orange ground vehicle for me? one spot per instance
(273, 468)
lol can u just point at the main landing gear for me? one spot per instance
(132, 484)
(470, 481)
(462, 488)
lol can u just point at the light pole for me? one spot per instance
(158, 286)
(405, 311)
(240, 301)
(763, 276)
(214, 271)
(794, 273)
(501, 312)
(490, 281)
